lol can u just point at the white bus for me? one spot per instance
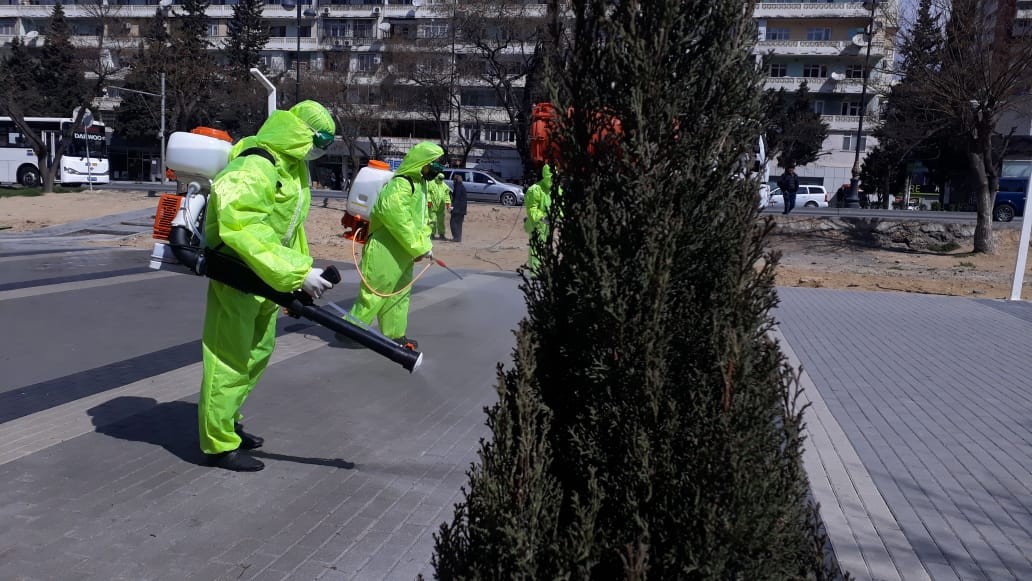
(18, 160)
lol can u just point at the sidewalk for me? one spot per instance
(920, 434)
(919, 444)
(362, 459)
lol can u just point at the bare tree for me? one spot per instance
(499, 42)
(62, 79)
(982, 74)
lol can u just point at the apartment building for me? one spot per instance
(824, 43)
(821, 42)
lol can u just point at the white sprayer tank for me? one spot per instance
(366, 187)
(195, 155)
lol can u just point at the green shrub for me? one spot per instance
(648, 428)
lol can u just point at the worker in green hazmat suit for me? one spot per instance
(538, 200)
(440, 202)
(255, 213)
(399, 236)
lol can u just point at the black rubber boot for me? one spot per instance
(236, 461)
(248, 441)
(407, 343)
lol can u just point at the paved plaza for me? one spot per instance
(919, 444)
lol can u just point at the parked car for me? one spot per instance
(483, 186)
(1010, 199)
(806, 197)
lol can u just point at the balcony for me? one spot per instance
(808, 10)
(847, 122)
(820, 84)
(817, 48)
(290, 43)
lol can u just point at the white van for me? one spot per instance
(806, 197)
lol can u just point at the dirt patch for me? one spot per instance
(861, 254)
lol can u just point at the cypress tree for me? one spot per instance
(60, 72)
(648, 428)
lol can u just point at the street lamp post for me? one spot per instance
(287, 5)
(853, 199)
(161, 132)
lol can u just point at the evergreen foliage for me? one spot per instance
(60, 69)
(648, 428)
(794, 132)
(246, 37)
(241, 99)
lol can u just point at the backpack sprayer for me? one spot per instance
(362, 197)
(197, 157)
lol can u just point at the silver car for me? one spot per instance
(483, 186)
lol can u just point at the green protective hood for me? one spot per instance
(315, 115)
(546, 178)
(284, 134)
(420, 155)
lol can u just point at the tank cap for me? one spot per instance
(212, 132)
(375, 163)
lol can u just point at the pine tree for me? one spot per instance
(60, 72)
(190, 68)
(137, 117)
(247, 36)
(242, 101)
(648, 429)
(794, 132)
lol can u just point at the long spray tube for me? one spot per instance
(236, 274)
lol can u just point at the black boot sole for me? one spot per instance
(235, 461)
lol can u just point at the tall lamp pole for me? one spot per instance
(161, 132)
(288, 4)
(853, 199)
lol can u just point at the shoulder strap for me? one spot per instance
(264, 154)
(409, 180)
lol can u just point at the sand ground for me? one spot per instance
(493, 239)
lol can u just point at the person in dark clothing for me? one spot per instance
(841, 194)
(458, 208)
(789, 185)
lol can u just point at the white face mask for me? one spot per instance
(315, 153)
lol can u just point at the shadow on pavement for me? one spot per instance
(173, 426)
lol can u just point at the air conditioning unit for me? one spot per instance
(376, 9)
(325, 11)
(347, 43)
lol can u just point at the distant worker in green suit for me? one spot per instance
(440, 203)
(399, 236)
(538, 200)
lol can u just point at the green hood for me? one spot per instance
(546, 178)
(420, 155)
(282, 133)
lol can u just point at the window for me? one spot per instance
(850, 108)
(855, 72)
(818, 34)
(364, 29)
(213, 28)
(499, 133)
(278, 31)
(815, 71)
(367, 63)
(7, 27)
(777, 34)
(848, 142)
(435, 29)
(470, 131)
(818, 107)
(479, 178)
(778, 70)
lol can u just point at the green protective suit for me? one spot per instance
(538, 200)
(440, 199)
(398, 234)
(255, 212)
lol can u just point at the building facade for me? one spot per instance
(825, 43)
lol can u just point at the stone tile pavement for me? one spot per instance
(921, 430)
